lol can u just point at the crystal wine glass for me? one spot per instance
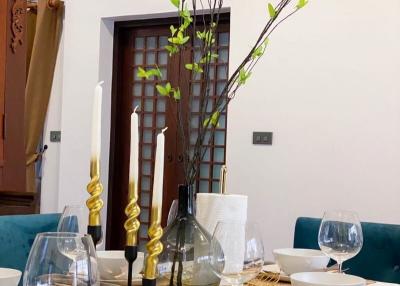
(236, 252)
(173, 212)
(50, 262)
(340, 235)
(73, 220)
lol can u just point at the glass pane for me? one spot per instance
(219, 155)
(215, 187)
(207, 154)
(193, 137)
(137, 89)
(138, 58)
(222, 121)
(149, 90)
(223, 56)
(194, 122)
(216, 171)
(161, 105)
(147, 136)
(196, 89)
(151, 43)
(223, 39)
(146, 168)
(163, 41)
(212, 73)
(210, 104)
(222, 72)
(148, 120)
(160, 120)
(136, 102)
(162, 58)
(197, 56)
(143, 231)
(197, 42)
(204, 171)
(195, 105)
(151, 58)
(219, 138)
(135, 72)
(144, 215)
(220, 88)
(145, 184)
(203, 188)
(163, 73)
(139, 43)
(148, 105)
(146, 152)
(145, 199)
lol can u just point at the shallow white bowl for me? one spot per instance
(113, 266)
(9, 277)
(294, 260)
(325, 279)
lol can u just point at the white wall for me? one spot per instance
(328, 88)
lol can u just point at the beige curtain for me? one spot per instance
(39, 82)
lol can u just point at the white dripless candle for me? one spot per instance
(134, 155)
(159, 175)
(96, 122)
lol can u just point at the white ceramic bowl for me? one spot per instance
(294, 260)
(325, 279)
(9, 277)
(113, 266)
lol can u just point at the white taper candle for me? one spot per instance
(134, 155)
(159, 172)
(96, 122)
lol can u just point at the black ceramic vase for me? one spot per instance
(184, 260)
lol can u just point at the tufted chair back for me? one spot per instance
(379, 258)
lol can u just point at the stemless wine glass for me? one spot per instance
(340, 235)
(73, 219)
(50, 260)
(236, 252)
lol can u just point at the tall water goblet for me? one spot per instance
(62, 259)
(236, 252)
(340, 236)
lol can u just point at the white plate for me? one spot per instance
(274, 268)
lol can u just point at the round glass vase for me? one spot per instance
(184, 260)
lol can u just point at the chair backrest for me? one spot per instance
(17, 233)
(379, 259)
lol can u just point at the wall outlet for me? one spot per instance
(262, 138)
(55, 136)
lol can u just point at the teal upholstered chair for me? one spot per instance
(17, 233)
(379, 258)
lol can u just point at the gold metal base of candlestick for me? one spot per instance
(95, 189)
(132, 212)
(154, 246)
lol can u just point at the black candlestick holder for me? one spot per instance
(130, 256)
(96, 233)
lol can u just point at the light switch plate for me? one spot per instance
(55, 136)
(262, 138)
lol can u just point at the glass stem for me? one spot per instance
(340, 267)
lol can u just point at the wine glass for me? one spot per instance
(340, 236)
(73, 220)
(49, 262)
(236, 252)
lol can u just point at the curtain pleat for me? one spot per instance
(39, 82)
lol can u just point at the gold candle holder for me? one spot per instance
(132, 212)
(154, 246)
(95, 189)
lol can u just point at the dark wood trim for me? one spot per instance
(12, 203)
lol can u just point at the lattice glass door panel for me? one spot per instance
(148, 53)
(210, 166)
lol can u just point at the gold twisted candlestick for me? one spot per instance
(132, 212)
(154, 246)
(95, 189)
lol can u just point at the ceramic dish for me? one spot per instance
(325, 279)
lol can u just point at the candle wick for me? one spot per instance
(165, 129)
(136, 108)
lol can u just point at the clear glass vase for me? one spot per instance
(184, 260)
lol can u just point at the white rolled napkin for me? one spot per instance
(212, 208)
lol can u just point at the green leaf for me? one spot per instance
(189, 66)
(176, 3)
(208, 58)
(172, 49)
(213, 120)
(173, 30)
(301, 4)
(243, 76)
(161, 90)
(201, 35)
(154, 72)
(271, 10)
(168, 87)
(142, 73)
(177, 94)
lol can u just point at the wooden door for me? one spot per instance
(142, 44)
